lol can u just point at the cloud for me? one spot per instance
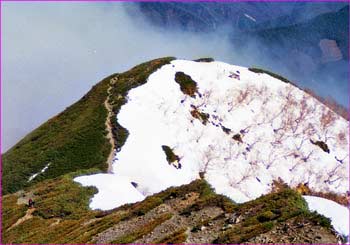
(54, 52)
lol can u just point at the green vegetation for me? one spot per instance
(143, 230)
(124, 82)
(11, 211)
(176, 237)
(279, 77)
(170, 155)
(63, 198)
(55, 199)
(148, 204)
(73, 140)
(204, 60)
(267, 216)
(201, 116)
(199, 186)
(262, 214)
(187, 85)
(319, 219)
(76, 138)
(74, 144)
(208, 198)
(62, 214)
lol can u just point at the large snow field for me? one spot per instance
(275, 121)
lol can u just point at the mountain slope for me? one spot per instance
(184, 134)
(190, 213)
(237, 127)
(73, 140)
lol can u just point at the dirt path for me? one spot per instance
(57, 221)
(23, 197)
(109, 134)
(27, 216)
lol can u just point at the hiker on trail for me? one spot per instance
(31, 203)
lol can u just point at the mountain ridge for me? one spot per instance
(61, 202)
(297, 120)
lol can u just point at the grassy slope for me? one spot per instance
(53, 202)
(125, 82)
(74, 139)
(262, 214)
(62, 214)
(78, 224)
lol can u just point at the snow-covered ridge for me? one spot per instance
(259, 129)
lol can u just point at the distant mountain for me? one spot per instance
(305, 41)
(176, 151)
(209, 16)
(303, 12)
(306, 37)
(315, 50)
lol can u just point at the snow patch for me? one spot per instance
(112, 191)
(250, 17)
(42, 171)
(275, 121)
(338, 214)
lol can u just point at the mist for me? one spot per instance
(53, 53)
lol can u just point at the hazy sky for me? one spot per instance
(54, 52)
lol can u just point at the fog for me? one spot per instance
(52, 53)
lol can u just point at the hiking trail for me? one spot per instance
(27, 216)
(109, 129)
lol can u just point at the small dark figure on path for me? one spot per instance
(31, 203)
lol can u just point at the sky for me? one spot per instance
(53, 53)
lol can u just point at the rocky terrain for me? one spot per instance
(191, 213)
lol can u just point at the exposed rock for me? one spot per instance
(321, 144)
(237, 137)
(294, 231)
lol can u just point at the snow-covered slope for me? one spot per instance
(338, 214)
(242, 130)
